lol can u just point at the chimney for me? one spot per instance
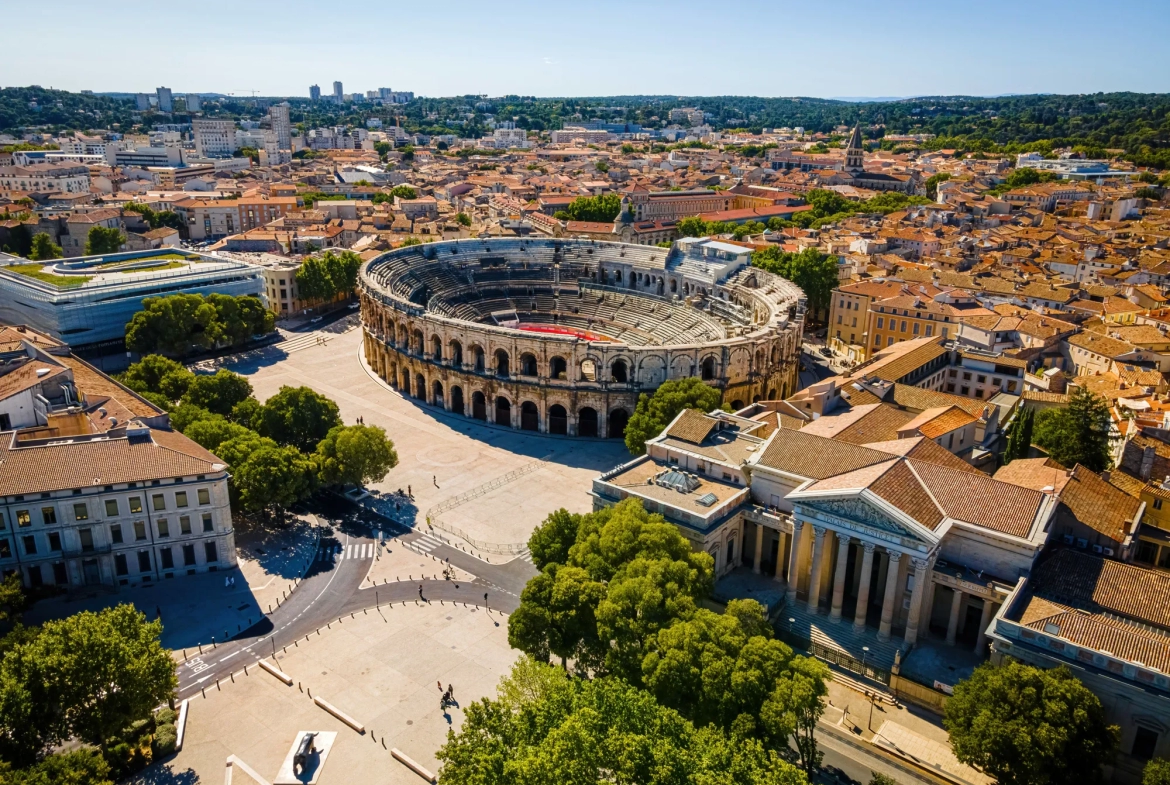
(1147, 467)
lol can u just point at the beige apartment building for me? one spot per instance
(849, 312)
(211, 218)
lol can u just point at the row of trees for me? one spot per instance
(601, 209)
(329, 275)
(617, 602)
(178, 324)
(279, 451)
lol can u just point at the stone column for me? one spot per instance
(984, 620)
(818, 559)
(779, 576)
(759, 548)
(921, 583)
(890, 597)
(843, 541)
(794, 559)
(863, 587)
(953, 621)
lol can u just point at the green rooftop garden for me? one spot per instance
(36, 270)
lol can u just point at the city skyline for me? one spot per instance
(556, 52)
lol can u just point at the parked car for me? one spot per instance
(826, 351)
(314, 320)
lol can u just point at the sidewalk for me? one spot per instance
(397, 562)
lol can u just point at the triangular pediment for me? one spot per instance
(856, 511)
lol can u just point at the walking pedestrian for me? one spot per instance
(409, 492)
(451, 692)
(440, 685)
(226, 582)
(420, 595)
(435, 480)
(485, 598)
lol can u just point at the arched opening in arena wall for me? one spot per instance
(708, 369)
(503, 411)
(528, 364)
(501, 366)
(588, 370)
(619, 371)
(420, 387)
(558, 368)
(478, 406)
(437, 349)
(437, 394)
(618, 419)
(587, 422)
(456, 353)
(457, 399)
(529, 417)
(558, 419)
(477, 353)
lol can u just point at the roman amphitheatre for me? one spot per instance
(561, 336)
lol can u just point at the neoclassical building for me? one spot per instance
(562, 336)
(892, 535)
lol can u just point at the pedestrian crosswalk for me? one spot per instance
(335, 553)
(526, 555)
(423, 544)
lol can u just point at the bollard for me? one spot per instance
(213, 642)
(233, 677)
(245, 670)
(299, 687)
(327, 626)
(383, 742)
(200, 647)
(217, 684)
(351, 615)
(204, 691)
(310, 691)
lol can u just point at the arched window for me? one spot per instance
(457, 399)
(456, 353)
(618, 419)
(557, 368)
(619, 372)
(673, 287)
(588, 370)
(479, 360)
(420, 387)
(417, 343)
(437, 348)
(478, 406)
(587, 422)
(528, 364)
(501, 367)
(503, 411)
(708, 369)
(437, 393)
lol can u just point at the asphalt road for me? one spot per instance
(333, 588)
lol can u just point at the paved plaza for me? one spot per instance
(514, 478)
(381, 668)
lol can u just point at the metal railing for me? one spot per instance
(435, 522)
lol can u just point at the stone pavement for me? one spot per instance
(272, 557)
(928, 753)
(396, 561)
(380, 668)
(441, 455)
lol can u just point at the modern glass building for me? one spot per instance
(89, 300)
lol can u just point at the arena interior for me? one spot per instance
(561, 336)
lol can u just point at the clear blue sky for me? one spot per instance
(684, 47)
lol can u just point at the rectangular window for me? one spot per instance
(5, 550)
(144, 561)
(139, 530)
(1145, 741)
(185, 524)
(929, 330)
(116, 533)
(112, 507)
(180, 498)
(982, 379)
(839, 318)
(86, 536)
(60, 576)
(135, 505)
(188, 555)
(49, 515)
(902, 326)
(54, 541)
(120, 567)
(890, 341)
(30, 545)
(879, 323)
(966, 377)
(204, 496)
(34, 575)
(158, 502)
(1157, 504)
(965, 390)
(80, 512)
(23, 518)
(207, 524)
(164, 528)
(209, 551)
(168, 558)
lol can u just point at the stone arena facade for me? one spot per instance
(562, 336)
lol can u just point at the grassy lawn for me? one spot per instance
(154, 268)
(35, 270)
(161, 257)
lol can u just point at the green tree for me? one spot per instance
(933, 181)
(313, 281)
(812, 270)
(1156, 772)
(102, 240)
(171, 325)
(214, 431)
(238, 318)
(463, 219)
(1026, 726)
(557, 616)
(218, 393)
(248, 152)
(89, 675)
(694, 226)
(354, 455)
(1020, 439)
(298, 417)
(272, 477)
(882, 779)
(551, 540)
(603, 208)
(246, 413)
(601, 166)
(12, 599)
(81, 767)
(43, 248)
(546, 727)
(157, 374)
(183, 415)
(794, 708)
(1077, 433)
(656, 410)
(403, 191)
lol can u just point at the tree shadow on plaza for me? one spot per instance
(166, 774)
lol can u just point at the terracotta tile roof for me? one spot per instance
(104, 461)
(901, 487)
(1082, 580)
(28, 375)
(950, 420)
(1034, 473)
(1104, 345)
(1097, 504)
(910, 361)
(92, 382)
(922, 449)
(691, 426)
(1100, 633)
(1126, 483)
(815, 457)
(964, 495)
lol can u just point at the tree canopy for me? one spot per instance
(298, 417)
(354, 455)
(1077, 433)
(43, 248)
(603, 208)
(326, 276)
(1025, 726)
(547, 727)
(102, 240)
(655, 411)
(181, 323)
(218, 393)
